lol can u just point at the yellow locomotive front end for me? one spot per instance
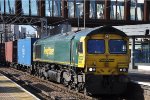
(107, 54)
(106, 61)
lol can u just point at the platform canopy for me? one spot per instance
(139, 31)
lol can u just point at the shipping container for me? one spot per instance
(2, 53)
(11, 51)
(25, 51)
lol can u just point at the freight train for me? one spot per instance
(94, 61)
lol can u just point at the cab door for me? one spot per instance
(81, 52)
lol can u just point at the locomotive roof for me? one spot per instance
(101, 30)
(85, 32)
(64, 36)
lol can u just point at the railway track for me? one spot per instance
(46, 89)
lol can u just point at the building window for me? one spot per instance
(2, 6)
(97, 9)
(140, 9)
(100, 9)
(71, 8)
(53, 8)
(10, 6)
(57, 8)
(25, 7)
(34, 7)
(117, 9)
(49, 8)
(136, 9)
(92, 9)
(79, 8)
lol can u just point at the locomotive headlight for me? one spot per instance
(120, 69)
(123, 69)
(92, 69)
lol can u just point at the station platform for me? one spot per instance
(9, 90)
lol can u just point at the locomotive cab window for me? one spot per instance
(96, 46)
(117, 46)
(80, 47)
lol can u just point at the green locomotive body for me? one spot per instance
(54, 49)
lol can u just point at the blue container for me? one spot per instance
(25, 51)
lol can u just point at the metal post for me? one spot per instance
(78, 21)
(4, 7)
(146, 10)
(132, 53)
(43, 27)
(107, 10)
(127, 10)
(84, 14)
(1, 37)
(29, 7)
(148, 50)
(64, 9)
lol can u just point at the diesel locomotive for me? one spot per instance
(94, 61)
